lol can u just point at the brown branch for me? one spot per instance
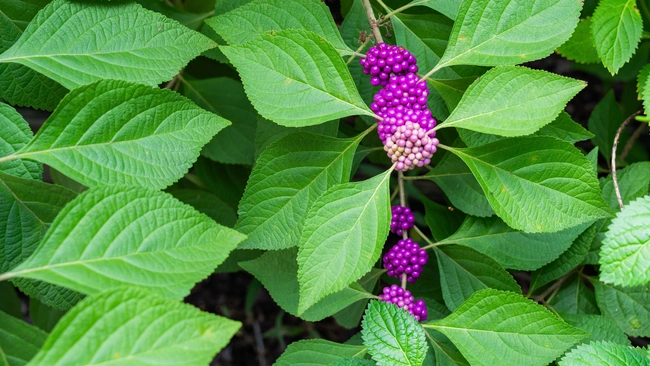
(614, 147)
(553, 287)
(374, 25)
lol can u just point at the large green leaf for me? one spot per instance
(629, 307)
(295, 78)
(259, 16)
(625, 254)
(600, 327)
(76, 44)
(604, 353)
(14, 135)
(130, 326)
(113, 236)
(19, 341)
(633, 182)
(509, 247)
(268, 132)
(616, 29)
(317, 352)
(116, 132)
(464, 271)
(502, 328)
(393, 336)
(449, 7)
(537, 184)
(513, 101)
(509, 32)
(580, 47)
(273, 210)
(344, 234)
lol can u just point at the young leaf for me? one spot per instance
(509, 247)
(501, 328)
(633, 182)
(393, 336)
(580, 47)
(616, 29)
(14, 135)
(116, 132)
(19, 341)
(575, 297)
(247, 22)
(344, 234)
(509, 32)
(513, 101)
(537, 184)
(625, 254)
(133, 326)
(464, 271)
(114, 236)
(76, 44)
(314, 352)
(600, 328)
(629, 307)
(604, 353)
(295, 78)
(273, 210)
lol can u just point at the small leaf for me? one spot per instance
(113, 236)
(393, 336)
(600, 327)
(515, 330)
(315, 352)
(642, 80)
(116, 132)
(150, 330)
(344, 234)
(616, 29)
(629, 307)
(513, 101)
(67, 42)
(14, 135)
(580, 47)
(537, 184)
(295, 78)
(19, 341)
(604, 353)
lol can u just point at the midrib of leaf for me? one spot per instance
(10, 21)
(431, 339)
(361, 352)
(187, 84)
(380, 338)
(626, 295)
(21, 202)
(471, 330)
(463, 268)
(4, 356)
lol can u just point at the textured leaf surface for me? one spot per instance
(77, 44)
(247, 22)
(316, 352)
(446, 354)
(268, 132)
(273, 210)
(616, 29)
(580, 47)
(502, 328)
(19, 341)
(633, 182)
(133, 326)
(537, 184)
(513, 101)
(625, 254)
(116, 132)
(600, 327)
(393, 336)
(344, 234)
(113, 236)
(604, 353)
(509, 32)
(14, 135)
(629, 307)
(295, 78)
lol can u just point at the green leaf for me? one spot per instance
(625, 254)
(354, 362)
(509, 247)
(446, 354)
(225, 181)
(575, 297)
(513, 101)
(633, 182)
(224, 6)
(191, 20)
(226, 98)
(537, 184)
(393, 336)
(273, 210)
(114, 236)
(646, 96)
(44, 316)
(295, 78)
(629, 307)
(600, 327)
(501, 328)
(116, 132)
(463, 271)
(10, 303)
(580, 47)
(344, 234)
(207, 203)
(604, 353)
(67, 42)
(509, 32)
(19, 341)
(603, 123)
(616, 29)
(449, 7)
(260, 16)
(642, 80)
(278, 272)
(315, 352)
(133, 326)
(14, 135)
(350, 317)
(443, 221)
(268, 132)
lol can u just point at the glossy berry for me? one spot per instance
(405, 257)
(404, 300)
(383, 60)
(410, 146)
(401, 220)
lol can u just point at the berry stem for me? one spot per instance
(358, 51)
(402, 196)
(374, 27)
(431, 243)
(404, 276)
(613, 163)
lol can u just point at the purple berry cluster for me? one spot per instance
(383, 59)
(403, 219)
(405, 257)
(409, 147)
(403, 299)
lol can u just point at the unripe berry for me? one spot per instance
(410, 146)
(403, 299)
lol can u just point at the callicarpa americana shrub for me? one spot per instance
(434, 180)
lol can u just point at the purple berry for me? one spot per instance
(405, 257)
(410, 146)
(404, 299)
(402, 219)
